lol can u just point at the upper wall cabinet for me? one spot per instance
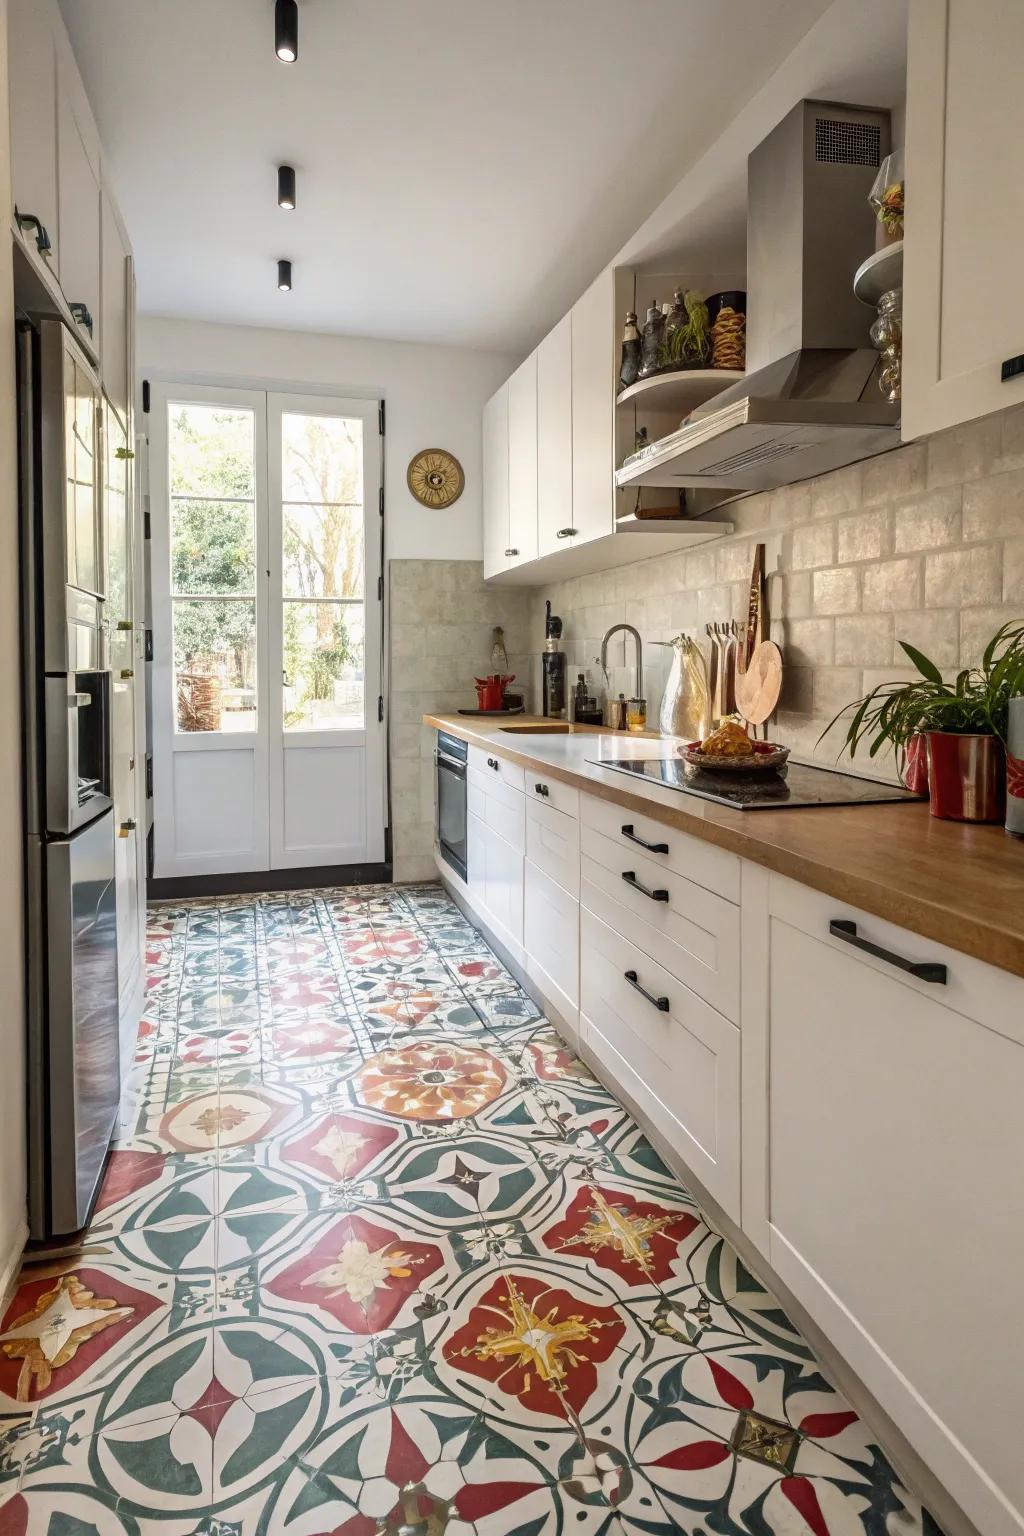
(78, 182)
(33, 104)
(495, 482)
(522, 463)
(593, 411)
(962, 298)
(115, 252)
(554, 439)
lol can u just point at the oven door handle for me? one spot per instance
(453, 764)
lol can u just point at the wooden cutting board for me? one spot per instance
(758, 688)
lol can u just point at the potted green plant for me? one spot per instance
(963, 723)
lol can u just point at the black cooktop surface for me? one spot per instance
(795, 785)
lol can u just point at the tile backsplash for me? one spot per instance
(442, 620)
(924, 544)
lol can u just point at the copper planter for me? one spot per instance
(966, 777)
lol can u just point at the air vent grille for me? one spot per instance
(749, 458)
(842, 143)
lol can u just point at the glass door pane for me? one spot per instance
(322, 578)
(212, 494)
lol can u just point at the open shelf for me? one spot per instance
(681, 391)
(882, 271)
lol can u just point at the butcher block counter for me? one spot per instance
(961, 885)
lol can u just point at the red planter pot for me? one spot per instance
(966, 777)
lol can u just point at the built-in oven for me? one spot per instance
(450, 758)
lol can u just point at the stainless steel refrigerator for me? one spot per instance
(71, 918)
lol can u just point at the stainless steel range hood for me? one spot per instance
(809, 401)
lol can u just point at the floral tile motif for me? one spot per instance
(375, 1252)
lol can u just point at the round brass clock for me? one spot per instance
(435, 477)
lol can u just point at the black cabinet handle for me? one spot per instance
(566, 533)
(627, 831)
(82, 315)
(30, 221)
(492, 762)
(629, 875)
(510, 552)
(924, 970)
(661, 1003)
(541, 789)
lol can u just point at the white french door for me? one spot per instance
(268, 747)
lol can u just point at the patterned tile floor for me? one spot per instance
(375, 1254)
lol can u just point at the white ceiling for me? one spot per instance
(464, 166)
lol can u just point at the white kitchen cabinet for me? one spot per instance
(33, 117)
(495, 482)
(476, 850)
(503, 889)
(963, 306)
(522, 463)
(551, 938)
(78, 181)
(677, 1058)
(553, 844)
(114, 252)
(555, 529)
(895, 1196)
(593, 411)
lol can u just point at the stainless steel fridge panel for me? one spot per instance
(83, 1068)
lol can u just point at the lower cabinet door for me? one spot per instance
(673, 1054)
(476, 840)
(552, 941)
(896, 1202)
(504, 886)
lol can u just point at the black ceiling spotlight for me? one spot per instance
(284, 276)
(286, 186)
(286, 30)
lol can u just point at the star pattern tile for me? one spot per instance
(375, 1253)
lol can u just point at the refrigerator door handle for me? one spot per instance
(79, 700)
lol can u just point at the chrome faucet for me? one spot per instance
(629, 630)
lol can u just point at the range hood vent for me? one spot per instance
(810, 400)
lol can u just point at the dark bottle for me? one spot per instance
(554, 667)
(630, 364)
(652, 358)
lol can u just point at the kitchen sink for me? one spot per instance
(553, 728)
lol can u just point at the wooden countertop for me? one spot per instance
(960, 884)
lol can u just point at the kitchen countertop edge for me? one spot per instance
(902, 855)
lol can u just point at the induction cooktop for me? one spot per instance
(796, 785)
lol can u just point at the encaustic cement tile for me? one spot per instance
(376, 1251)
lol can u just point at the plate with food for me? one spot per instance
(730, 750)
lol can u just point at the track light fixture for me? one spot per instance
(284, 276)
(286, 30)
(286, 186)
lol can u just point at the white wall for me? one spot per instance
(12, 962)
(434, 399)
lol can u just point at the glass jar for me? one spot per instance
(728, 314)
(630, 363)
(652, 343)
(636, 714)
(887, 335)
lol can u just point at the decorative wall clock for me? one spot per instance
(435, 477)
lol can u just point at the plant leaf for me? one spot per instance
(926, 668)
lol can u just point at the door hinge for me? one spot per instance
(381, 418)
(145, 396)
(147, 527)
(380, 589)
(147, 654)
(380, 501)
(380, 707)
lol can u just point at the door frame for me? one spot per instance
(256, 393)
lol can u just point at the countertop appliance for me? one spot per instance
(798, 785)
(450, 759)
(71, 917)
(810, 400)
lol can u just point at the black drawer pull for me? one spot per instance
(29, 221)
(629, 875)
(492, 762)
(661, 1003)
(510, 552)
(541, 789)
(81, 314)
(566, 533)
(924, 970)
(627, 831)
